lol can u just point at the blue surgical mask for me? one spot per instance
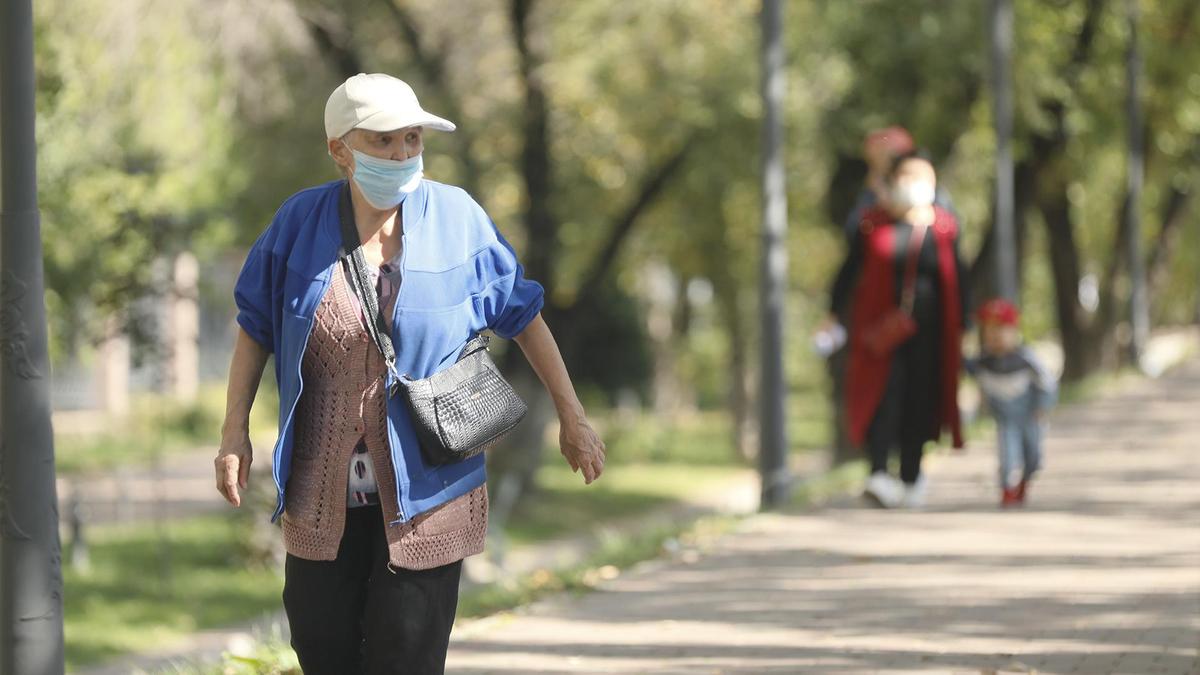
(386, 182)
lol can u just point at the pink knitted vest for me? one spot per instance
(344, 400)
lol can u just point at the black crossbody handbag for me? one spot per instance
(458, 412)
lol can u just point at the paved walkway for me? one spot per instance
(738, 495)
(1099, 574)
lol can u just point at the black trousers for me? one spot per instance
(356, 615)
(906, 413)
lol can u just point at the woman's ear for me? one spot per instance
(340, 152)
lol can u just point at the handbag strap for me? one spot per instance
(360, 282)
(908, 292)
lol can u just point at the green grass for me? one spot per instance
(158, 426)
(146, 587)
(563, 505)
(270, 656)
(704, 437)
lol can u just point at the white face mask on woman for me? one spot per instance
(912, 194)
(384, 183)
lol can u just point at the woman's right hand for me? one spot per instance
(233, 466)
(827, 323)
(829, 337)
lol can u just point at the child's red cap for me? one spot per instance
(999, 310)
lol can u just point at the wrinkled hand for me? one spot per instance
(582, 447)
(233, 467)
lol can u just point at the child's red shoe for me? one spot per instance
(1010, 497)
(1022, 489)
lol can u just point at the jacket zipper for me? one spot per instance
(400, 466)
(278, 453)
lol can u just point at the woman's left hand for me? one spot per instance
(582, 447)
(577, 440)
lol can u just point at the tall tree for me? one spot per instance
(31, 587)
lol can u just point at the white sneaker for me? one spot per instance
(884, 490)
(914, 494)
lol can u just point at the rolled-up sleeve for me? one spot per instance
(510, 301)
(253, 292)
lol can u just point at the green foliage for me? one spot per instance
(271, 656)
(134, 153)
(175, 125)
(152, 586)
(612, 365)
(703, 438)
(625, 491)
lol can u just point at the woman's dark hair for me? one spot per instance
(900, 159)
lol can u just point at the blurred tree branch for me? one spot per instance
(535, 162)
(431, 62)
(1175, 211)
(334, 45)
(652, 186)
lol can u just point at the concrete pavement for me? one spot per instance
(1100, 573)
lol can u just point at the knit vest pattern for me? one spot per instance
(344, 400)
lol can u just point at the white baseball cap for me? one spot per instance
(376, 102)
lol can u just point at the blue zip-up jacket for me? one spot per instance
(459, 277)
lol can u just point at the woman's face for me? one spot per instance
(915, 170)
(398, 145)
(914, 184)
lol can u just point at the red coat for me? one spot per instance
(874, 296)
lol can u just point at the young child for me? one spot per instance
(1018, 391)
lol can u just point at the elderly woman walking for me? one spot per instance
(376, 530)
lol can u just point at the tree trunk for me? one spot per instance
(31, 584)
(982, 272)
(1175, 211)
(1079, 356)
(742, 404)
(678, 397)
(1046, 159)
(741, 395)
(535, 164)
(514, 465)
(661, 312)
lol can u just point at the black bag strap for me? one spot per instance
(360, 282)
(908, 292)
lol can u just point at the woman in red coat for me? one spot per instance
(902, 374)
